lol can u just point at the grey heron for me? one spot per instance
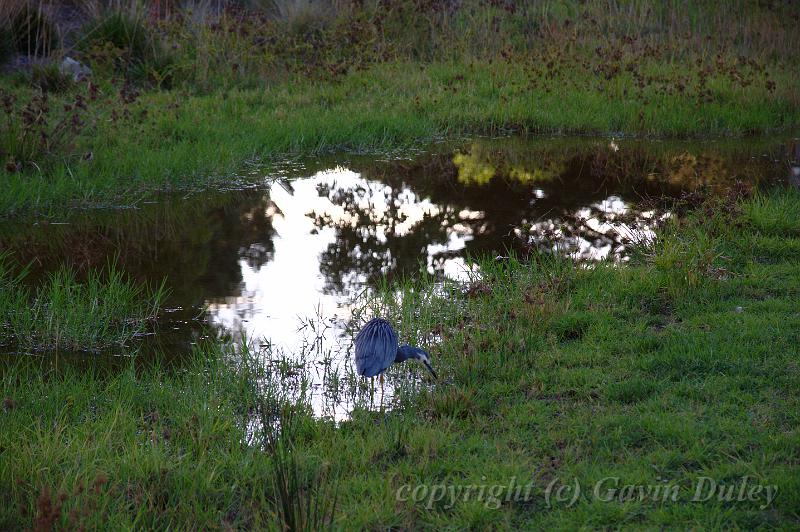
(377, 348)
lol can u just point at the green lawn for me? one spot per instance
(680, 366)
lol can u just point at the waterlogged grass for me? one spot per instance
(680, 366)
(174, 139)
(67, 313)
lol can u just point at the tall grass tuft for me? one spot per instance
(776, 213)
(29, 28)
(123, 42)
(303, 501)
(303, 16)
(303, 497)
(11, 294)
(65, 314)
(49, 78)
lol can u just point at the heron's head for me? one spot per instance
(409, 351)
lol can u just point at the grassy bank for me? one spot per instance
(681, 366)
(181, 141)
(196, 94)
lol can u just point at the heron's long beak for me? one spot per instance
(427, 365)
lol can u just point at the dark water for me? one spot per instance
(289, 254)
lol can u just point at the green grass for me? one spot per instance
(682, 365)
(186, 140)
(65, 313)
(257, 81)
(129, 447)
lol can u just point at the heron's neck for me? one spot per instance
(404, 352)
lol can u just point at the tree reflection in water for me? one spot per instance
(254, 260)
(386, 231)
(588, 200)
(195, 244)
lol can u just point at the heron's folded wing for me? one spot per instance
(375, 347)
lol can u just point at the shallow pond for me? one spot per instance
(284, 259)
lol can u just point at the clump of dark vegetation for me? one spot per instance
(48, 127)
(49, 78)
(34, 133)
(6, 44)
(123, 43)
(30, 26)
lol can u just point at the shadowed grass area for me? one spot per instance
(681, 366)
(64, 313)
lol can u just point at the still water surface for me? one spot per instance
(283, 260)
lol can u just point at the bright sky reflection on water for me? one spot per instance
(264, 262)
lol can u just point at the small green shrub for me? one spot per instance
(49, 78)
(124, 43)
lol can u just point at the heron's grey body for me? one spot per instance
(376, 349)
